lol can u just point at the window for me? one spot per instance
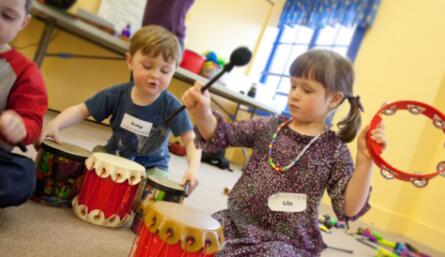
(293, 41)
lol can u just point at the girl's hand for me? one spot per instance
(378, 135)
(197, 103)
(190, 175)
(12, 127)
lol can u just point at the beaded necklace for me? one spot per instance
(270, 161)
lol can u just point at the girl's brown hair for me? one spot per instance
(336, 74)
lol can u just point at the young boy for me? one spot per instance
(23, 103)
(138, 109)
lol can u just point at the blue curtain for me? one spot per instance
(321, 13)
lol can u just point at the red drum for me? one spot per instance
(59, 173)
(174, 230)
(108, 190)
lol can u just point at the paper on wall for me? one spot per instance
(120, 13)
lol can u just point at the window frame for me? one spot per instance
(351, 53)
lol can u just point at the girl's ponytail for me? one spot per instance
(349, 126)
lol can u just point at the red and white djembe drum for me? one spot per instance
(173, 230)
(108, 190)
(389, 171)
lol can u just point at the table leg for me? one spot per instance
(44, 42)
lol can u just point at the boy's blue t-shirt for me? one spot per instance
(138, 131)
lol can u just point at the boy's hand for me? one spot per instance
(12, 126)
(197, 103)
(378, 135)
(190, 175)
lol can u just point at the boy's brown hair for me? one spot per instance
(153, 40)
(28, 6)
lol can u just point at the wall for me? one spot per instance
(402, 57)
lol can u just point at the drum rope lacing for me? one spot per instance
(108, 194)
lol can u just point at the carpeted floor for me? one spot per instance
(36, 230)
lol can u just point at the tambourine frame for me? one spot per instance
(387, 170)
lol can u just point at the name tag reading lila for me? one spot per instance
(287, 202)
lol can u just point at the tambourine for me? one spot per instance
(387, 170)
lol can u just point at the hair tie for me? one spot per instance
(355, 100)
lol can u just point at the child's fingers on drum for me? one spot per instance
(58, 139)
(54, 135)
(192, 184)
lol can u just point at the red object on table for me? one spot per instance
(192, 61)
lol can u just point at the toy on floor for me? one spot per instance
(339, 249)
(324, 228)
(108, 190)
(387, 170)
(226, 191)
(398, 249)
(331, 222)
(217, 159)
(156, 189)
(177, 148)
(174, 230)
(59, 173)
(381, 252)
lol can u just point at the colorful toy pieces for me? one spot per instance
(398, 249)
(212, 65)
(388, 171)
(330, 222)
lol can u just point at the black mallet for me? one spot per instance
(239, 57)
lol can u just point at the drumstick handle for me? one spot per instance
(187, 188)
(226, 68)
(22, 147)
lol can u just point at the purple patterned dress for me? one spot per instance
(250, 227)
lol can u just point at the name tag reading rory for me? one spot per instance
(136, 125)
(287, 202)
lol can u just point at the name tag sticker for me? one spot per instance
(287, 202)
(135, 125)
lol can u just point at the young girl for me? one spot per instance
(273, 208)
